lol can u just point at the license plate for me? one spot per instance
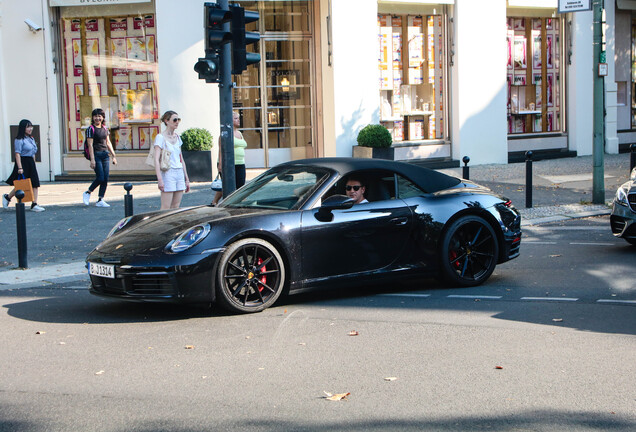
(102, 270)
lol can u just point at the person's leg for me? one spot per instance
(11, 194)
(105, 170)
(99, 174)
(176, 199)
(166, 200)
(217, 197)
(239, 171)
(35, 194)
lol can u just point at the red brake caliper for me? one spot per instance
(263, 278)
(453, 257)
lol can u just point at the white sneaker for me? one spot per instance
(86, 197)
(37, 208)
(102, 203)
(5, 201)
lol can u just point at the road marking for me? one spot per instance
(616, 301)
(592, 244)
(550, 298)
(406, 295)
(568, 228)
(474, 296)
(539, 242)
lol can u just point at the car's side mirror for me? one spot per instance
(334, 202)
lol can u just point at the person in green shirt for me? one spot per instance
(239, 157)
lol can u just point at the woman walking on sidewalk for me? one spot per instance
(25, 150)
(239, 157)
(100, 149)
(174, 181)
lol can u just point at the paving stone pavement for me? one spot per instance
(60, 238)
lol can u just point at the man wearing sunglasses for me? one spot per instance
(355, 190)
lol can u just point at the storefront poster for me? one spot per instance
(519, 23)
(520, 52)
(118, 24)
(146, 136)
(536, 24)
(118, 53)
(536, 78)
(509, 39)
(549, 51)
(79, 91)
(536, 49)
(92, 25)
(77, 57)
(135, 48)
(136, 105)
(123, 137)
(92, 49)
(75, 25)
(549, 89)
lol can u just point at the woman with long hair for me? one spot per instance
(174, 181)
(100, 149)
(25, 149)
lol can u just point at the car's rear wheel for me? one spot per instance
(250, 277)
(469, 251)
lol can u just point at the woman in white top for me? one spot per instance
(173, 182)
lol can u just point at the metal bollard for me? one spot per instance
(20, 219)
(465, 169)
(529, 179)
(632, 157)
(128, 200)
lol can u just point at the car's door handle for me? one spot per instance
(399, 221)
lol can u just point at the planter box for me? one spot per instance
(199, 165)
(373, 152)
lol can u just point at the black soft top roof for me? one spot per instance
(427, 179)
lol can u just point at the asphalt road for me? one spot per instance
(546, 345)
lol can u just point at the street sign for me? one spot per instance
(574, 6)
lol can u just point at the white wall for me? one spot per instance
(611, 119)
(479, 126)
(355, 69)
(180, 44)
(580, 85)
(25, 92)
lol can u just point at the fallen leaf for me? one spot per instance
(353, 333)
(498, 367)
(390, 378)
(336, 397)
(101, 372)
(557, 319)
(189, 347)
(302, 343)
(555, 256)
(40, 332)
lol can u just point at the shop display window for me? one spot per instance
(633, 102)
(411, 76)
(111, 63)
(534, 75)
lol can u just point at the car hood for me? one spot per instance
(150, 233)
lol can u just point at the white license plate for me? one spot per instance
(102, 270)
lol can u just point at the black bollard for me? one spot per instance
(529, 179)
(465, 173)
(632, 157)
(128, 200)
(20, 219)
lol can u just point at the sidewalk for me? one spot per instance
(60, 238)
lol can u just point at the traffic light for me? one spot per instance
(214, 17)
(240, 38)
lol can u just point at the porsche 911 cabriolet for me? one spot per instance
(294, 228)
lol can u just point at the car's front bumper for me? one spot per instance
(191, 279)
(623, 221)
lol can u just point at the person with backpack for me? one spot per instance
(25, 149)
(99, 150)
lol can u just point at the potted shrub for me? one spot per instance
(374, 141)
(197, 154)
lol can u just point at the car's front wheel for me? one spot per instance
(251, 276)
(469, 251)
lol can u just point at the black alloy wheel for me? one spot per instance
(251, 276)
(469, 251)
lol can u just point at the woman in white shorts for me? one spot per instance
(173, 182)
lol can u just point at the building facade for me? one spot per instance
(448, 78)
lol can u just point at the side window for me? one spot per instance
(407, 189)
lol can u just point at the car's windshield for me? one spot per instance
(284, 188)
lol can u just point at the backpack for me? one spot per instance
(87, 152)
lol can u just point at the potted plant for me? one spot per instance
(197, 154)
(374, 141)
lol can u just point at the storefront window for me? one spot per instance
(534, 75)
(274, 97)
(633, 74)
(412, 87)
(111, 63)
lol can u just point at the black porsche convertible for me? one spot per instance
(293, 228)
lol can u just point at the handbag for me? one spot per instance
(217, 184)
(24, 184)
(164, 159)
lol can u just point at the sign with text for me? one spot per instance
(574, 5)
(92, 2)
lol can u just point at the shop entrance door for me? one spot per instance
(275, 97)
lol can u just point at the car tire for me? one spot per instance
(250, 276)
(469, 251)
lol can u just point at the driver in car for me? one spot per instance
(355, 190)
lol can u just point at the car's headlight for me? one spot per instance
(621, 196)
(122, 223)
(189, 238)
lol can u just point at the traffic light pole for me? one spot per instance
(225, 102)
(598, 146)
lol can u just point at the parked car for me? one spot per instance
(293, 228)
(623, 216)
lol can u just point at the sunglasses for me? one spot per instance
(355, 188)
(176, 120)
